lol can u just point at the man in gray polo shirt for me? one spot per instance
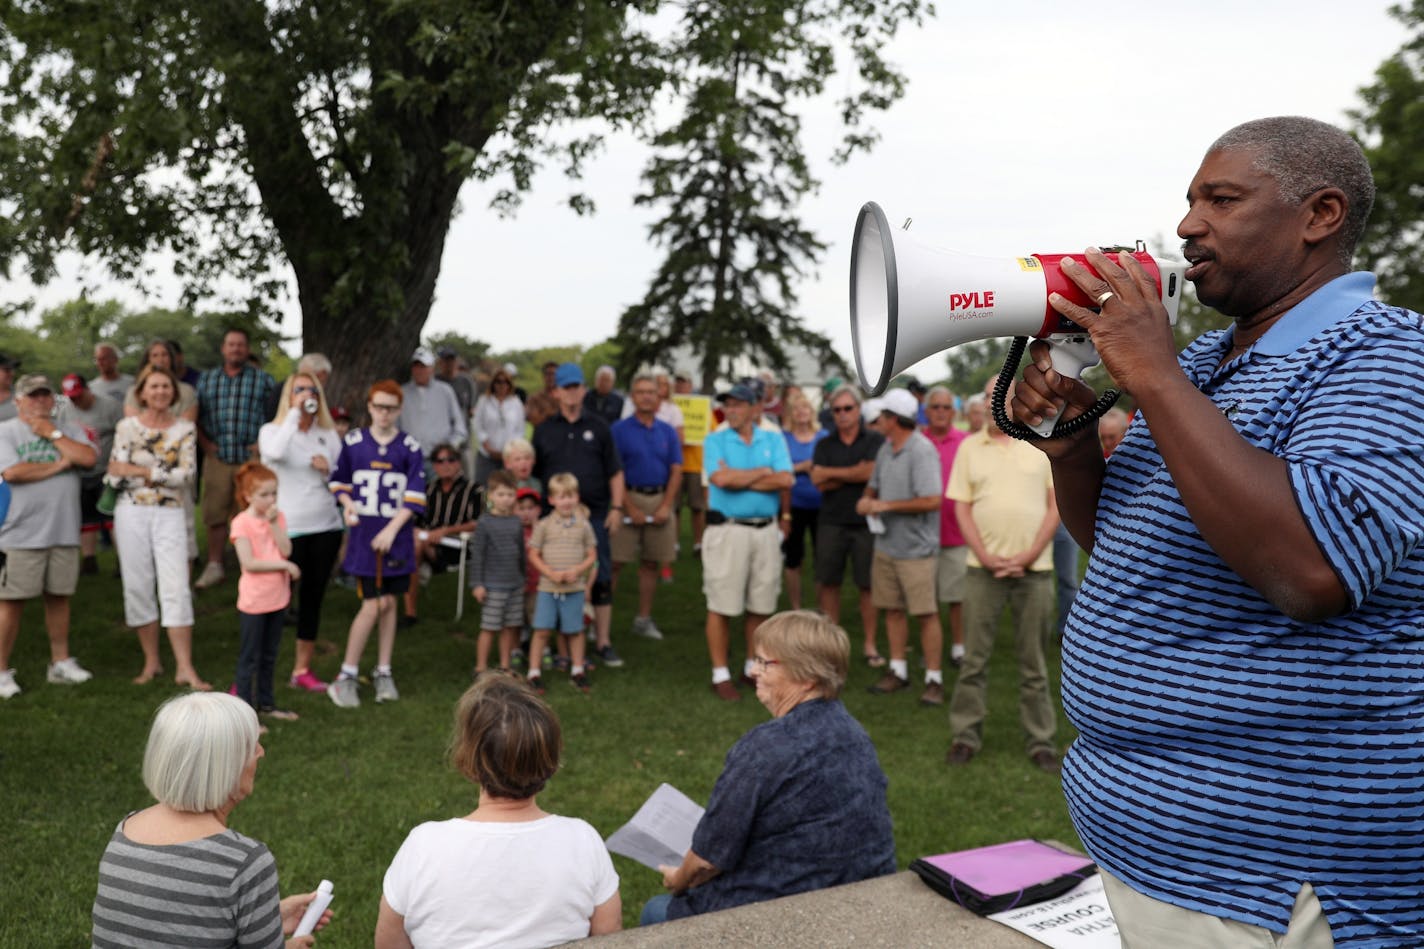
(902, 502)
(39, 541)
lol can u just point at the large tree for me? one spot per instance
(730, 172)
(330, 137)
(1390, 124)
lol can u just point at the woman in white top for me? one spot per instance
(301, 445)
(499, 416)
(153, 463)
(507, 874)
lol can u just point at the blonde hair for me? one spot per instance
(518, 446)
(561, 483)
(198, 747)
(810, 649)
(284, 402)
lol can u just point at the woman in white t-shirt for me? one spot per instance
(507, 874)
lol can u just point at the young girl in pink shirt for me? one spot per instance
(259, 533)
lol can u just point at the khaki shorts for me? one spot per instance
(950, 572)
(907, 585)
(741, 569)
(219, 492)
(28, 573)
(655, 543)
(692, 493)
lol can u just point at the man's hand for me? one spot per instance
(613, 521)
(868, 506)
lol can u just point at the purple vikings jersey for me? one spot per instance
(380, 480)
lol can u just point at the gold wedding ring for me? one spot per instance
(1106, 295)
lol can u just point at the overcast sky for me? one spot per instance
(1027, 127)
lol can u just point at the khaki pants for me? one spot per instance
(1145, 922)
(1030, 602)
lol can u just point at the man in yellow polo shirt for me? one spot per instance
(1002, 491)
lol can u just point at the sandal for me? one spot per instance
(875, 660)
(279, 714)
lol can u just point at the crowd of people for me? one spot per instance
(1241, 661)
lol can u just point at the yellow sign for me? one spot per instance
(697, 420)
(1030, 263)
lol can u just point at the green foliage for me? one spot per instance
(339, 790)
(1390, 125)
(730, 172)
(473, 351)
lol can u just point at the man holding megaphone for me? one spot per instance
(1243, 662)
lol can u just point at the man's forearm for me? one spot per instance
(1077, 484)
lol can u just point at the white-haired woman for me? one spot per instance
(301, 446)
(174, 874)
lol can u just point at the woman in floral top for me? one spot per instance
(153, 464)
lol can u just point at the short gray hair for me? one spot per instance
(1304, 155)
(604, 370)
(314, 362)
(844, 389)
(810, 649)
(197, 749)
(642, 377)
(939, 390)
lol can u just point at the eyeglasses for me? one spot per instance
(840, 409)
(384, 407)
(761, 662)
(934, 408)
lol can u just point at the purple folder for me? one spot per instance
(1002, 876)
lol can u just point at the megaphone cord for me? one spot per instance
(1022, 432)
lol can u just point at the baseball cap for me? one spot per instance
(35, 382)
(7, 363)
(872, 408)
(73, 384)
(423, 355)
(523, 493)
(915, 386)
(339, 411)
(512, 369)
(569, 374)
(446, 352)
(901, 403)
(741, 392)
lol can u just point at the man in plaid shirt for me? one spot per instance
(232, 402)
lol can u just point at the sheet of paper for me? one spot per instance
(1079, 919)
(661, 832)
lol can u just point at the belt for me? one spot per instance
(655, 489)
(716, 517)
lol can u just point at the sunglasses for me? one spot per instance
(839, 409)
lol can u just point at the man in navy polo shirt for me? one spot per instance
(580, 443)
(746, 469)
(651, 453)
(1243, 659)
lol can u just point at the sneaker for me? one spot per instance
(345, 580)
(887, 684)
(726, 691)
(609, 655)
(343, 693)
(407, 621)
(424, 574)
(536, 683)
(307, 681)
(933, 694)
(68, 672)
(959, 754)
(558, 664)
(9, 688)
(385, 688)
(580, 682)
(211, 576)
(645, 627)
(516, 657)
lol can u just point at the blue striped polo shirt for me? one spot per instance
(1227, 753)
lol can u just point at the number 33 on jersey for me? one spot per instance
(380, 480)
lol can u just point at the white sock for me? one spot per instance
(349, 672)
(721, 674)
(957, 651)
(576, 671)
(533, 674)
(934, 675)
(900, 667)
(382, 671)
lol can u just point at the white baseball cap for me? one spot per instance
(902, 403)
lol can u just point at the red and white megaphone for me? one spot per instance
(909, 301)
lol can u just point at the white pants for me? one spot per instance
(1145, 923)
(153, 547)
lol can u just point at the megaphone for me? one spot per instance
(909, 300)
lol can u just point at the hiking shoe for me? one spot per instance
(68, 672)
(307, 681)
(609, 655)
(9, 688)
(726, 691)
(211, 576)
(645, 627)
(385, 688)
(888, 683)
(343, 693)
(959, 754)
(580, 682)
(1046, 761)
(933, 694)
(537, 684)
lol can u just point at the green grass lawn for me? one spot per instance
(339, 789)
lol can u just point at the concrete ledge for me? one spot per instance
(892, 911)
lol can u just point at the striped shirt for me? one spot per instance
(1227, 753)
(497, 558)
(459, 505)
(563, 543)
(218, 891)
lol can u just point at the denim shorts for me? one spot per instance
(562, 612)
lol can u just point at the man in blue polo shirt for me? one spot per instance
(1243, 659)
(746, 469)
(652, 471)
